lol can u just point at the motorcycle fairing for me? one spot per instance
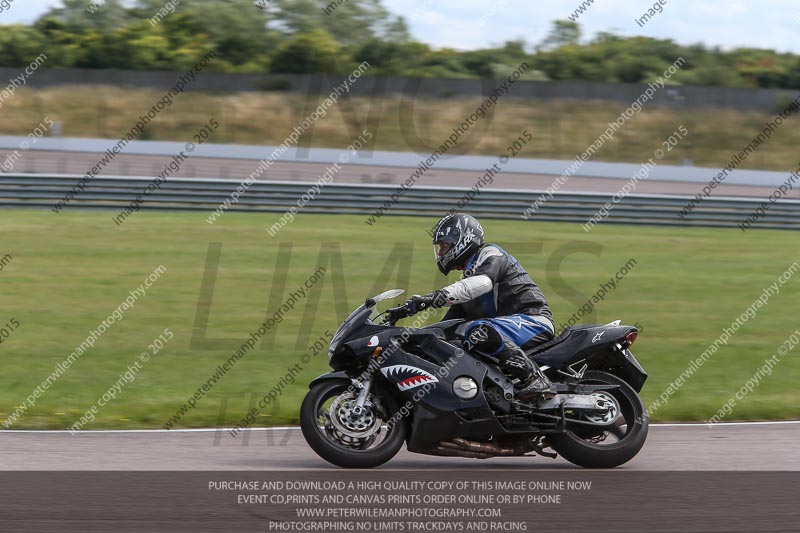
(432, 406)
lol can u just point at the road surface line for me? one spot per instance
(287, 428)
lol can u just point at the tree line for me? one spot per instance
(297, 36)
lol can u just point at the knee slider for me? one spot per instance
(484, 339)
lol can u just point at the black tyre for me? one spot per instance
(343, 439)
(612, 444)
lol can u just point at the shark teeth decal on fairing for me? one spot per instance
(409, 376)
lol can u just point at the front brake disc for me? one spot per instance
(356, 426)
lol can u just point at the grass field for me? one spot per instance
(560, 130)
(70, 271)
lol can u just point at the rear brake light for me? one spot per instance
(631, 337)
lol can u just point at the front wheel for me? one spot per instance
(617, 435)
(344, 439)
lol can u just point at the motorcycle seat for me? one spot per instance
(539, 348)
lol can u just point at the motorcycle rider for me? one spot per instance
(505, 309)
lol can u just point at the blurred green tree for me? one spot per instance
(562, 33)
(19, 45)
(305, 53)
(323, 36)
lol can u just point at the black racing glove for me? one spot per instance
(395, 314)
(419, 303)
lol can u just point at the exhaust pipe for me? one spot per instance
(472, 449)
(486, 450)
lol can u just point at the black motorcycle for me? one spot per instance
(419, 385)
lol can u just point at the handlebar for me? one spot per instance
(394, 314)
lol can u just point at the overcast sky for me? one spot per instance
(457, 23)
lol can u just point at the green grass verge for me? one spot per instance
(70, 271)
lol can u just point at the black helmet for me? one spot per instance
(455, 239)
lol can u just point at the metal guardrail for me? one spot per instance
(113, 193)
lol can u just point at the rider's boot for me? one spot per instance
(532, 381)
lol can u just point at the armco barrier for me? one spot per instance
(114, 194)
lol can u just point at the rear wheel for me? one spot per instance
(345, 439)
(619, 435)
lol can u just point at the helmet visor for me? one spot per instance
(440, 249)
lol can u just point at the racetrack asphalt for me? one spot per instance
(679, 447)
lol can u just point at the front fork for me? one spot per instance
(363, 394)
